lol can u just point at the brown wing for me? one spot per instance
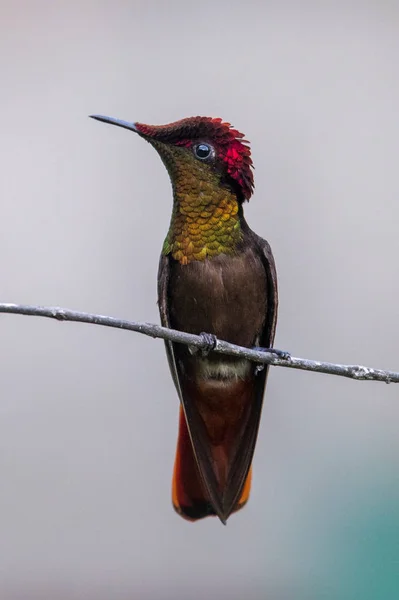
(246, 444)
(195, 425)
(163, 305)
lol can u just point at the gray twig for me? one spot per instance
(156, 331)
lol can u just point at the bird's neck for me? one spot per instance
(205, 223)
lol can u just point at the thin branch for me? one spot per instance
(197, 341)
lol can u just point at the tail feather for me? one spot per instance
(189, 496)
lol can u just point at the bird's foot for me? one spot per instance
(210, 342)
(279, 353)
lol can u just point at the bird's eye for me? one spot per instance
(204, 151)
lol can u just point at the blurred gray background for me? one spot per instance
(88, 416)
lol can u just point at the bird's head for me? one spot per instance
(198, 151)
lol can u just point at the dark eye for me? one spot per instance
(203, 151)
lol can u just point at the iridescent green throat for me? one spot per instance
(205, 219)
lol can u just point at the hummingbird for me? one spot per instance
(216, 278)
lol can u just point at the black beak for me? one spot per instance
(117, 122)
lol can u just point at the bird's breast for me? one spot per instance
(224, 295)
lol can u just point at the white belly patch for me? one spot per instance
(221, 370)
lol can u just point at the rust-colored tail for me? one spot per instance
(189, 497)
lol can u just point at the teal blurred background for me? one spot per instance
(88, 416)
